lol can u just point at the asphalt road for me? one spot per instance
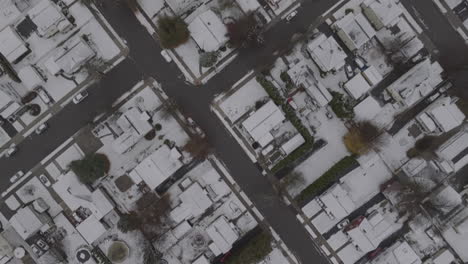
(145, 61)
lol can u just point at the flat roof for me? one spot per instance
(30, 77)
(157, 167)
(11, 45)
(8, 13)
(91, 229)
(292, 144)
(326, 53)
(447, 114)
(385, 10)
(263, 120)
(367, 109)
(25, 222)
(356, 28)
(46, 17)
(357, 86)
(248, 5)
(71, 57)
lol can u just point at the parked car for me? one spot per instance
(17, 176)
(349, 71)
(166, 55)
(42, 244)
(36, 250)
(433, 97)
(41, 128)
(43, 95)
(11, 151)
(360, 62)
(342, 224)
(44, 180)
(80, 96)
(291, 15)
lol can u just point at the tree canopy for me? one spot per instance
(173, 31)
(91, 167)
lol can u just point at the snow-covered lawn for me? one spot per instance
(72, 153)
(275, 257)
(332, 131)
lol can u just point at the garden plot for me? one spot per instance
(33, 190)
(332, 131)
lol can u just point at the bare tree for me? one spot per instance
(198, 147)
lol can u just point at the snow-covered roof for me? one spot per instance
(445, 198)
(26, 222)
(10, 109)
(157, 167)
(222, 234)
(367, 109)
(357, 86)
(75, 194)
(354, 30)
(446, 114)
(398, 253)
(326, 53)
(30, 77)
(70, 57)
(248, 5)
(320, 94)
(260, 123)
(455, 150)
(8, 13)
(412, 47)
(416, 83)
(381, 12)
(5, 99)
(11, 45)
(372, 75)
(292, 144)
(193, 202)
(46, 17)
(443, 257)
(201, 260)
(208, 31)
(91, 229)
(135, 127)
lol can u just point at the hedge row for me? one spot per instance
(292, 117)
(329, 177)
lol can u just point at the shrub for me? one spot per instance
(158, 127)
(424, 147)
(129, 222)
(34, 109)
(328, 178)
(255, 250)
(150, 135)
(91, 167)
(362, 137)
(208, 59)
(173, 31)
(340, 106)
(284, 76)
(28, 97)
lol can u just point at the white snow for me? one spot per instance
(72, 153)
(275, 257)
(33, 190)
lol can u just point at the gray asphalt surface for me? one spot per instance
(145, 61)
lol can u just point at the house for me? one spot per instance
(134, 124)
(354, 30)
(208, 31)
(372, 75)
(27, 222)
(70, 57)
(30, 77)
(223, 236)
(416, 83)
(48, 19)
(157, 167)
(398, 253)
(357, 86)
(194, 201)
(381, 12)
(12, 47)
(248, 5)
(262, 121)
(453, 154)
(8, 13)
(440, 117)
(367, 109)
(326, 53)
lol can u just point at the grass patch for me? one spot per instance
(292, 117)
(329, 177)
(341, 106)
(255, 250)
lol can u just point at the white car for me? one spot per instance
(342, 224)
(291, 15)
(43, 95)
(44, 180)
(41, 128)
(80, 96)
(11, 151)
(166, 55)
(16, 177)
